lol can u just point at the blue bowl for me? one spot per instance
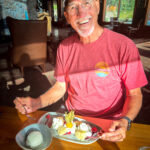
(45, 131)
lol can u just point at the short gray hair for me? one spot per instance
(67, 1)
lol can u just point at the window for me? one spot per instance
(55, 10)
(147, 22)
(123, 9)
(111, 9)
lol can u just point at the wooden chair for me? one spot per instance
(29, 42)
(134, 29)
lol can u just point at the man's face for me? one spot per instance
(82, 15)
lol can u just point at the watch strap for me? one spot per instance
(129, 121)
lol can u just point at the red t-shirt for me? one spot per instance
(98, 73)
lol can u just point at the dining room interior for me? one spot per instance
(130, 18)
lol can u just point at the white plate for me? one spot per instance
(69, 137)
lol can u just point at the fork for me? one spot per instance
(96, 135)
(27, 115)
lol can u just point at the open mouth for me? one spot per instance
(85, 26)
(84, 21)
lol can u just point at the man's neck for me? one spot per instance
(98, 30)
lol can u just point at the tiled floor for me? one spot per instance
(35, 82)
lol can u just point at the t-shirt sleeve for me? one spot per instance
(59, 68)
(132, 71)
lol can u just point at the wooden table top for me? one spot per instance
(11, 122)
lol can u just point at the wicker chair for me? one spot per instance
(29, 42)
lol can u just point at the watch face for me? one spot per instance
(129, 126)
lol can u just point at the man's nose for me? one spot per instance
(82, 10)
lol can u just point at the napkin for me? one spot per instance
(103, 123)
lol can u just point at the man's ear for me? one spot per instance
(97, 3)
(66, 16)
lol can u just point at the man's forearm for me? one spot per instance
(133, 105)
(52, 95)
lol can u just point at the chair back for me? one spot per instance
(29, 40)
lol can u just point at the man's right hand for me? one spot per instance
(27, 104)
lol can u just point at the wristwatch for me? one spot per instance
(129, 122)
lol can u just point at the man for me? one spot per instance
(100, 69)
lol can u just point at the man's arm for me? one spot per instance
(132, 106)
(32, 104)
(133, 103)
(53, 95)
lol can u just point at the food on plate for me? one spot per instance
(77, 122)
(69, 119)
(81, 135)
(69, 125)
(57, 122)
(34, 139)
(62, 130)
(85, 128)
(71, 129)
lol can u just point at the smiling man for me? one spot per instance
(82, 16)
(100, 70)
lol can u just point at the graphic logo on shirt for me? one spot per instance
(102, 69)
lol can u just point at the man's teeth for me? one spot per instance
(84, 21)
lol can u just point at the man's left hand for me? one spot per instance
(117, 131)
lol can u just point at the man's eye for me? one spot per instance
(87, 3)
(72, 7)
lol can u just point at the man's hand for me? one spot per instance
(117, 131)
(132, 106)
(27, 104)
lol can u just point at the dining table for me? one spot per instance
(11, 122)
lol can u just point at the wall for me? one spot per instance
(14, 8)
(19, 9)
